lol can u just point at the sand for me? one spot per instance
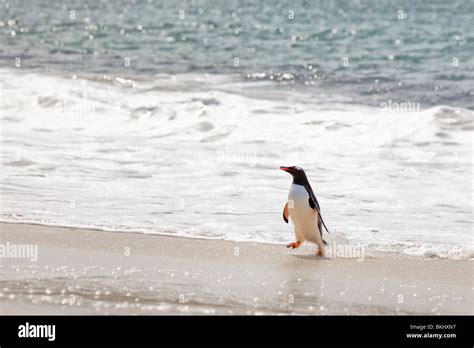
(80, 271)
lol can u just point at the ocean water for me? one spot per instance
(173, 117)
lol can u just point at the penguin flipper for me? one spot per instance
(320, 229)
(285, 213)
(313, 203)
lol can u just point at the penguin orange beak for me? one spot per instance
(285, 169)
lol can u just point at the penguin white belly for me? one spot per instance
(303, 216)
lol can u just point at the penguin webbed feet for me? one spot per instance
(294, 245)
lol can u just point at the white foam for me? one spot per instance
(197, 156)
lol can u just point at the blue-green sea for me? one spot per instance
(367, 51)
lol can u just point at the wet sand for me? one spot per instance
(80, 271)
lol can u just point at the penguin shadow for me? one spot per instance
(312, 257)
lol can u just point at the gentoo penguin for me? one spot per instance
(303, 209)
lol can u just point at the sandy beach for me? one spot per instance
(79, 271)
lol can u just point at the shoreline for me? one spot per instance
(334, 243)
(81, 271)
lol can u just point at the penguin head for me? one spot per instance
(297, 173)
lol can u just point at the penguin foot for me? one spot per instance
(294, 245)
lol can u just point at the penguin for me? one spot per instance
(303, 209)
